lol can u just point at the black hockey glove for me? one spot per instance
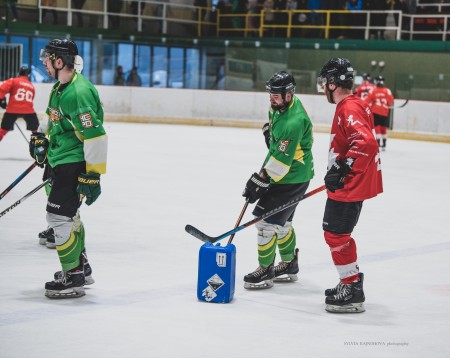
(89, 186)
(3, 103)
(255, 188)
(38, 148)
(266, 133)
(334, 179)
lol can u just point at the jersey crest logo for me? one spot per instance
(352, 122)
(284, 143)
(86, 120)
(54, 114)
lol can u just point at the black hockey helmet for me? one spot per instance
(379, 81)
(337, 71)
(366, 76)
(281, 82)
(64, 49)
(24, 71)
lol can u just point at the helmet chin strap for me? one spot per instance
(331, 93)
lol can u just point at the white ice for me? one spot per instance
(144, 304)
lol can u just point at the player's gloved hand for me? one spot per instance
(334, 179)
(255, 188)
(266, 133)
(89, 186)
(38, 148)
(3, 103)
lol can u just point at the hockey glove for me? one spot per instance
(3, 103)
(38, 148)
(255, 188)
(89, 186)
(334, 179)
(266, 133)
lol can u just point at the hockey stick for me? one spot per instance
(401, 106)
(205, 238)
(19, 178)
(20, 130)
(24, 198)
(242, 213)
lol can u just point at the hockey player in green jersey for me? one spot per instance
(286, 173)
(74, 144)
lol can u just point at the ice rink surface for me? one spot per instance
(144, 304)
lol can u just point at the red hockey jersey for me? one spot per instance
(353, 135)
(363, 89)
(380, 99)
(21, 95)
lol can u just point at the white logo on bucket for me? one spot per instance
(221, 259)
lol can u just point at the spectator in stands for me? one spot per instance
(119, 78)
(253, 9)
(269, 15)
(12, 6)
(355, 19)
(402, 5)
(78, 4)
(377, 19)
(114, 6)
(239, 8)
(315, 18)
(280, 18)
(337, 19)
(133, 78)
(52, 3)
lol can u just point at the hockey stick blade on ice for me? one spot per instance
(401, 106)
(205, 238)
(24, 198)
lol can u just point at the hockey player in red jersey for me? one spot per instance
(353, 175)
(380, 99)
(21, 96)
(364, 88)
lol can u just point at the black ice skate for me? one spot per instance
(262, 277)
(47, 237)
(287, 271)
(88, 279)
(348, 299)
(69, 284)
(337, 289)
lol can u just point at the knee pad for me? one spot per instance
(266, 232)
(336, 242)
(282, 231)
(62, 226)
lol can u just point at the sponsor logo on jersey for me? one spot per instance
(284, 143)
(86, 120)
(54, 114)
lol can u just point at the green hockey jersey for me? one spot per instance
(75, 125)
(290, 159)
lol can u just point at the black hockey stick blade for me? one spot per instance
(401, 106)
(205, 238)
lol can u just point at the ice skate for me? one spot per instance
(337, 289)
(88, 279)
(348, 299)
(287, 271)
(262, 277)
(47, 237)
(69, 284)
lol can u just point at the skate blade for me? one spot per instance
(42, 241)
(286, 278)
(259, 285)
(74, 292)
(50, 246)
(351, 308)
(89, 280)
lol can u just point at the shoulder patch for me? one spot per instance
(86, 120)
(283, 144)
